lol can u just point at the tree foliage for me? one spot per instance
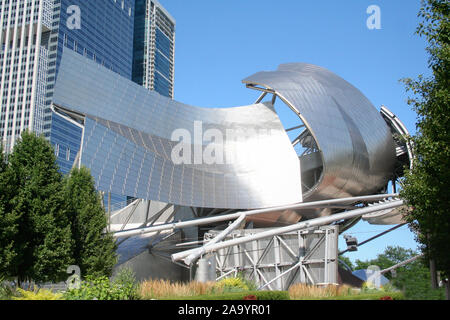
(426, 187)
(413, 278)
(8, 222)
(93, 250)
(390, 257)
(48, 222)
(36, 227)
(345, 262)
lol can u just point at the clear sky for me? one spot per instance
(219, 43)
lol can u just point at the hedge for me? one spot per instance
(260, 295)
(284, 295)
(362, 296)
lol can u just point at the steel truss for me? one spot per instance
(307, 256)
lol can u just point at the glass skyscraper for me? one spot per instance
(154, 47)
(24, 56)
(34, 35)
(105, 35)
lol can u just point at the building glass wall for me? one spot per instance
(24, 38)
(70, 133)
(36, 32)
(154, 47)
(105, 36)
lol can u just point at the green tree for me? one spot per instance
(413, 278)
(94, 249)
(40, 236)
(346, 262)
(426, 187)
(390, 256)
(8, 222)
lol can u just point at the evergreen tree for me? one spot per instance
(426, 187)
(94, 248)
(41, 241)
(8, 223)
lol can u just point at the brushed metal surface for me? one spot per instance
(355, 143)
(127, 143)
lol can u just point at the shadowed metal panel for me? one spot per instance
(128, 144)
(357, 149)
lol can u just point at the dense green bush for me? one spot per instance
(260, 295)
(232, 285)
(126, 281)
(6, 291)
(235, 284)
(123, 287)
(396, 295)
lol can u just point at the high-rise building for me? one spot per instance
(104, 33)
(134, 38)
(34, 35)
(154, 47)
(25, 36)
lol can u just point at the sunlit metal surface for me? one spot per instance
(355, 145)
(127, 141)
(386, 217)
(127, 144)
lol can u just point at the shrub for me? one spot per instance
(41, 294)
(272, 295)
(232, 285)
(260, 295)
(368, 287)
(123, 287)
(369, 296)
(6, 291)
(92, 289)
(125, 280)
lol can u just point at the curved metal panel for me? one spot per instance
(129, 144)
(356, 145)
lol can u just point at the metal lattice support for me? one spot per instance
(307, 256)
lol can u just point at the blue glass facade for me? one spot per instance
(153, 56)
(112, 33)
(70, 133)
(163, 54)
(106, 33)
(105, 36)
(139, 45)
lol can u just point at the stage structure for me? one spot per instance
(213, 171)
(274, 263)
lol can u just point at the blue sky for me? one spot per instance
(219, 43)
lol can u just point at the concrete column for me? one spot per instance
(206, 269)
